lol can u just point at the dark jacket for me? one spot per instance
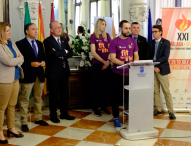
(162, 56)
(54, 64)
(142, 45)
(31, 73)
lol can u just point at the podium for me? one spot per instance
(141, 99)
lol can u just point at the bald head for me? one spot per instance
(56, 28)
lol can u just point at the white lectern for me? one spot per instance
(141, 96)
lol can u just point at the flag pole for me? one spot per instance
(30, 104)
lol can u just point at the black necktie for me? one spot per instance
(58, 40)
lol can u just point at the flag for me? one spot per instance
(149, 27)
(26, 21)
(52, 18)
(27, 15)
(41, 38)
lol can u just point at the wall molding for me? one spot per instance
(33, 8)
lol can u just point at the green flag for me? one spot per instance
(27, 15)
(27, 20)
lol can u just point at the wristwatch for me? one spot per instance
(125, 62)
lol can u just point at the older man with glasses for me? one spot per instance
(57, 71)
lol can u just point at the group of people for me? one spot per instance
(21, 71)
(22, 63)
(121, 50)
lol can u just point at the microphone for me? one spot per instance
(128, 56)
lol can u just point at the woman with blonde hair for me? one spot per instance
(101, 68)
(10, 70)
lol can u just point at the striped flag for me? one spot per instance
(149, 27)
(27, 15)
(52, 18)
(41, 38)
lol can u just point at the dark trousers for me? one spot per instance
(58, 88)
(118, 93)
(100, 86)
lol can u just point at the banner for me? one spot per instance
(176, 24)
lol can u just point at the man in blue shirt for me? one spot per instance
(141, 41)
(34, 77)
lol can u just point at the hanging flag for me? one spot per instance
(27, 15)
(26, 21)
(41, 38)
(52, 18)
(149, 27)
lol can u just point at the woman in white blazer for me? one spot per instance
(10, 72)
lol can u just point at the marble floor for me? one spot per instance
(88, 130)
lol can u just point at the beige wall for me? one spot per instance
(1, 10)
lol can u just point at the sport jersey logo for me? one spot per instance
(183, 24)
(98, 40)
(121, 47)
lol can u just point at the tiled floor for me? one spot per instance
(88, 130)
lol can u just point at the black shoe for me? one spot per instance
(97, 113)
(67, 117)
(156, 112)
(55, 120)
(105, 111)
(4, 141)
(24, 128)
(42, 123)
(172, 116)
(15, 135)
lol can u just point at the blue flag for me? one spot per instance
(149, 27)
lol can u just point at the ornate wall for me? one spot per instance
(17, 11)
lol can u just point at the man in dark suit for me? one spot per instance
(34, 61)
(141, 41)
(57, 72)
(158, 51)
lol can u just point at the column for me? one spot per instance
(1, 10)
(105, 8)
(85, 12)
(71, 16)
(61, 12)
(139, 13)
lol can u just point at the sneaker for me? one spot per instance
(172, 116)
(117, 123)
(97, 113)
(156, 112)
(105, 111)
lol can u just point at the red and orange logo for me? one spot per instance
(183, 24)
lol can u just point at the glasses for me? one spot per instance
(155, 31)
(57, 28)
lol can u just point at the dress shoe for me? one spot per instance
(3, 141)
(172, 116)
(24, 128)
(156, 112)
(67, 117)
(97, 113)
(15, 135)
(105, 111)
(55, 120)
(42, 123)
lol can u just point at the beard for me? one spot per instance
(125, 34)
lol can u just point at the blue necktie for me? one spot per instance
(136, 38)
(34, 47)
